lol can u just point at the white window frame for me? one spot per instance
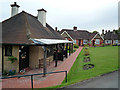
(97, 41)
(74, 41)
(85, 41)
(107, 41)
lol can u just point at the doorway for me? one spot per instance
(23, 57)
(93, 42)
(79, 43)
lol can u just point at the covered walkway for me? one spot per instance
(50, 80)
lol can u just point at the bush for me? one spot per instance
(114, 44)
(86, 52)
(76, 46)
(95, 45)
(5, 72)
(12, 59)
(12, 72)
(102, 45)
(86, 45)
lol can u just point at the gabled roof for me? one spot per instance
(79, 34)
(20, 28)
(110, 36)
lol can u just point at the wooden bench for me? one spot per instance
(41, 62)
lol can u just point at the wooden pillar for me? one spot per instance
(69, 49)
(44, 63)
(66, 50)
(72, 47)
(56, 56)
(63, 51)
(2, 59)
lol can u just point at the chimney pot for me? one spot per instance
(75, 28)
(42, 16)
(56, 29)
(103, 31)
(114, 31)
(14, 9)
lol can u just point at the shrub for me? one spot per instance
(102, 45)
(95, 45)
(12, 59)
(86, 52)
(114, 44)
(76, 46)
(86, 45)
(5, 72)
(12, 72)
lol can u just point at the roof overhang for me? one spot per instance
(49, 41)
(67, 34)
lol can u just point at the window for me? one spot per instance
(97, 41)
(107, 41)
(116, 41)
(85, 41)
(8, 50)
(74, 41)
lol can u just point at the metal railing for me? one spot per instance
(18, 76)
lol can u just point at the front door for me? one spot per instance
(93, 42)
(23, 57)
(79, 42)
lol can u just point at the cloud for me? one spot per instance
(86, 14)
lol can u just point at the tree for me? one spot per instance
(117, 31)
(94, 31)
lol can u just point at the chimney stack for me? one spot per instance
(106, 31)
(42, 16)
(103, 31)
(114, 31)
(75, 28)
(56, 29)
(14, 9)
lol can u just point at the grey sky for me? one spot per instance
(85, 14)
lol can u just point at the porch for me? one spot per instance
(49, 80)
(36, 56)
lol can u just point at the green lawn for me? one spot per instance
(105, 60)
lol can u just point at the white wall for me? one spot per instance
(42, 17)
(14, 11)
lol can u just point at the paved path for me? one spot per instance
(105, 81)
(51, 80)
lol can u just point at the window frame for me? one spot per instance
(107, 41)
(74, 41)
(6, 47)
(85, 41)
(96, 42)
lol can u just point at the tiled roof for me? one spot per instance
(110, 36)
(23, 26)
(79, 34)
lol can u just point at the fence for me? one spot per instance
(18, 76)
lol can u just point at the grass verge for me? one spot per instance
(105, 60)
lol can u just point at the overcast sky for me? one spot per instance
(85, 14)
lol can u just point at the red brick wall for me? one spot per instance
(77, 42)
(81, 42)
(68, 38)
(101, 42)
